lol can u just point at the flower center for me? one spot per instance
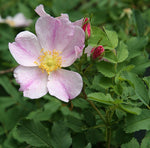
(49, 61)
(10, 23)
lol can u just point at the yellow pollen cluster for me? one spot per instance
(49, 61)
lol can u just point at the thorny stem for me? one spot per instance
(107, 123)
(108, 136)
(7, 70)
(99, 113)
(93, 105)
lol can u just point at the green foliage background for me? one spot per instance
(120, 89)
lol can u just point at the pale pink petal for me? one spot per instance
(25, 49)
(74, 49)
(78, 22)
(40, 10)
(54, 33)
(64, 84)
(33, 82)
(64, 15)
(88, 50)
(20, 20)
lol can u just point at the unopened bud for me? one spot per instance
(97, 52)
(87, 27)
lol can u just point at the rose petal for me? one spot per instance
(64, 84)
(32, 81)
(88, 50)
(78, 22)
(54, 33)
(20, 20)
(74, 49)
(40, 10)
(25, 49)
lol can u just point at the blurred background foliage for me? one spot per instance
(128, 18)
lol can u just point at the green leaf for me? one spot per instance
(74, 123)
(89, 118)
(11, 116)
(139, 86)
(110, 56)
(132, 144)
(131, 109)
(33, 133)
(93, 135)
(102, 98)
(10, 89)
(146, 141)
(6, 102)
(106, 68)
(122, 52)
(141, 63)
(61, 137)
(98, 37)
(140, 25)
(80, 103)
(45, 114)
(112, 37)
(79, 141)
(136, 123)
(101, 82)
(136, 45)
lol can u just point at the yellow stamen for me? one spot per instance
(49, 61)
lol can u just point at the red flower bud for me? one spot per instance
(97, 52)
(86, 27)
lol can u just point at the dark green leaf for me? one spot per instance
(33, 133)
(61, 137)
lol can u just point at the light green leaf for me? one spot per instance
(130, 109)
(132, 144)
(33, 133)
(146, 141)
(122, 52)
(112, 37)
(136, 45)
(61, 137)
(98, 37)
(136, 123)
(102, 98)
(106, 68)
(110, 56)
(139, 86)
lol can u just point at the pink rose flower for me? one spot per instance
(18, 20)
(42, 58)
